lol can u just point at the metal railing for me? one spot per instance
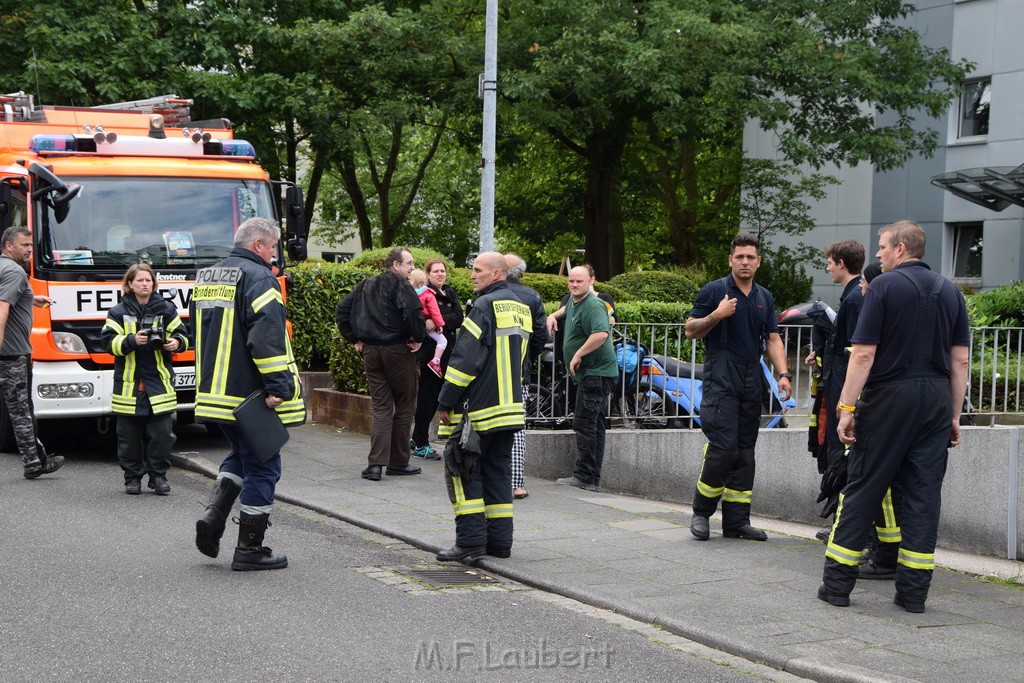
(993, 391)
(658, 383)
(994, 376)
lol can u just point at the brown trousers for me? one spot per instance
(393, 375)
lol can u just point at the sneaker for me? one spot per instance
(435, 367)
(37, 469)
(158, 483)
(573, 481)
(426, 452)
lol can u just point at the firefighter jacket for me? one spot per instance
(485, 370)
(142, 371)
(241, 339)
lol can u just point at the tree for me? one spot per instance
(816, 71)
(391, 88)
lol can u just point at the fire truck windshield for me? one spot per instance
(161, 221)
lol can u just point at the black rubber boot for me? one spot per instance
(210, 526)
(251, 554)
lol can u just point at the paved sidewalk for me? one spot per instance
(637, 557)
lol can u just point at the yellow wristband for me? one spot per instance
(846, 407)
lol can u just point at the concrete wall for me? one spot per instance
(979, 507)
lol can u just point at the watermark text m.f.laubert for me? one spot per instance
(470, 655)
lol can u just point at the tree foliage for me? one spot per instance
(620, 122)
(816, 72)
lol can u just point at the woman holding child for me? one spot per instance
(430, 380)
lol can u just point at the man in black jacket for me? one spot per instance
(516, 269)
(382, 317)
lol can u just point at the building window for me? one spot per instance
(967, 248)
(974, 108)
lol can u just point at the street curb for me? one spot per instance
(801, 666)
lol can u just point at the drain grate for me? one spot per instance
(450, 577)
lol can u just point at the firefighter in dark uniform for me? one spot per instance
(844, 261)
(737, 318)
(484, 379)
(239, 322)
(909, 368)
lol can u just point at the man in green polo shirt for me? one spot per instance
(591, 364)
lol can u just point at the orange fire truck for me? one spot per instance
(102, 188)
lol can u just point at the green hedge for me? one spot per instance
(317, 287)
(661, 285)
(652, 312)
(346, 366)
(999, 307)
(374, 259)
(315, 291)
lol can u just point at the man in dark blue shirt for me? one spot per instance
(909, 370)
(736, 317)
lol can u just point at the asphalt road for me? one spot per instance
(101, 586)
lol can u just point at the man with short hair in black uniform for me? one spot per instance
(909, 370)
(737, 318)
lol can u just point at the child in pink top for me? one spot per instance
(418, 279)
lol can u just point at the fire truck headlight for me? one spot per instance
(71, 390)
(69, 342)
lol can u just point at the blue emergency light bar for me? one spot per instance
(52, 143)
(48, 143)
(236, 148)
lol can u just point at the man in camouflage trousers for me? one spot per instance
(16, 300)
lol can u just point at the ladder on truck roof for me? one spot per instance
(20, 107)
(17, 106)
(174, 109)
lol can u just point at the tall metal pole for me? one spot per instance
(489, 92)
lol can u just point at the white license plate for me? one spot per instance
(184, 380)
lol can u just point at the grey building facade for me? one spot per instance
(981, 146)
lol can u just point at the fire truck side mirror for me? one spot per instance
(297, 248)
(61, 193)
(295, 214)
(62, 202)
(5, 203)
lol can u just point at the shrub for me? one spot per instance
(374, 259)
(458, 278)
(660, 285)
(652, 312)
(346, 366)
(315, 290)
(619, 294)
(553, 287)
(550, 287)
(786, 279)
(999, 307)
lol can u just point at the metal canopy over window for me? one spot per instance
(994, 187)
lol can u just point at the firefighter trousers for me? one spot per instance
(730, 413)
(902, 429)
(483, 497)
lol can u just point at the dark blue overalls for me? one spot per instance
(730, 414)
(903, 429)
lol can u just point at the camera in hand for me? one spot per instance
(155, 332)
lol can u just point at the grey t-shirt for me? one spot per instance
(15, 290)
